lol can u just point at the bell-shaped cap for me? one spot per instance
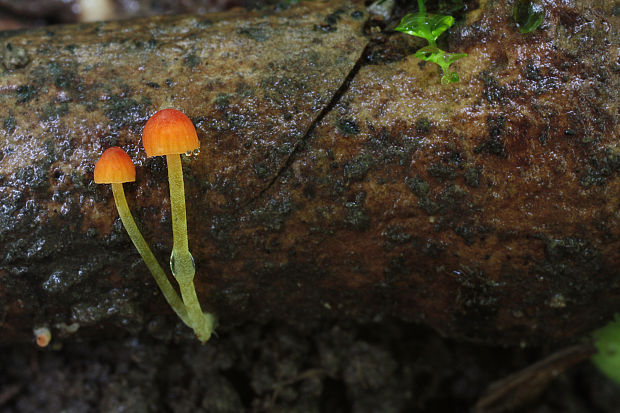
(114, 167)
(168, 132)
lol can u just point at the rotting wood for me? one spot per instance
(328, 185)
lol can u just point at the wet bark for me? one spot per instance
(337, 177)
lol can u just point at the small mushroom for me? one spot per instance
(115, 167)
(42, 336)
(171, 133)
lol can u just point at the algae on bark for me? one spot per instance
(328, 185)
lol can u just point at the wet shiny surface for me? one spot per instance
(485, 209)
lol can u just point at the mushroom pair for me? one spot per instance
(169, 133)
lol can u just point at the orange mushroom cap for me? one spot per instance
(114, 166)
(168, 132)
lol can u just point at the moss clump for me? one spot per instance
(9, 124)
(423, 126)
(418, 186)
(494, 144)
(26, 93)
(357, 169)
(348, 127)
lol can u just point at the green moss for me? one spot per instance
(222, 101)
(602, 166)
(570, 263)
(577, 250)
(451, 199)
(472, 176)
(396, 234)
(61, 76)
(124, 111)
(191, 60)
(262, 170)
(356, 216)
(533, 72)
(544, 135)
(258, 34)
(392, 146)
(244, 90)
(357, 169)
(494, 144)
(26, 93)
(333, 18)
(53, 111)
(442, 171)
(32, 176)
(494, 91)
(348, 126)
(280, 89)
(9, 124)
(423, 126)
(418, 186)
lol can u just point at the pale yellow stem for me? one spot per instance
(145, 252)
(203, 322)
(181, 261)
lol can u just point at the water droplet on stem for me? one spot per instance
(173, 262)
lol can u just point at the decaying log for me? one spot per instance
(337, 176)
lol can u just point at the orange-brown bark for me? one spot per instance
(331, 182)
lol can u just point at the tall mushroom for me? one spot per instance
(170, 133)
(115, 167)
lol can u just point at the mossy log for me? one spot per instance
(337, 177)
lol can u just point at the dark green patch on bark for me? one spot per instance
(348, 126)
(26, 93)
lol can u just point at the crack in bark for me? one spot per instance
(328, 107)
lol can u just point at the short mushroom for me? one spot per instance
(171, 133)
(42, 336)
(115, 167)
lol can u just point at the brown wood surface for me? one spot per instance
(337, 177)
